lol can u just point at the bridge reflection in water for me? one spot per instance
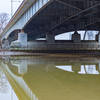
(53, 78)
(84, 69)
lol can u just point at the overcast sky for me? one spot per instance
(5, 6)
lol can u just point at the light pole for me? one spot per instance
(12, 1)
(11, 7)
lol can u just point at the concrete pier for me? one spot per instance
(76, 38)
(21, 42)
(22, 38)
(50, 38)
(97, 38)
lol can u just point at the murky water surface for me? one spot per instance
(50, 78)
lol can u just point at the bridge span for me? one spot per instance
(47, 18)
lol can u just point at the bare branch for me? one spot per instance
(4, 18)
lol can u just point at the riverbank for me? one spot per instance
(68, 53)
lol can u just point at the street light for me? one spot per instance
(12, 1)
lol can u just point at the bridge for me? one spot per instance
(48, 18)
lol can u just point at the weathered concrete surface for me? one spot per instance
(76, 37)
(21, 42)
(98, 37)
(61, 47)
(5, 44)
(50, 38)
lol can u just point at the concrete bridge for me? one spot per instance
(47, 18)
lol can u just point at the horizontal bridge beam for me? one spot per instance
(69, 5)
(77, 15)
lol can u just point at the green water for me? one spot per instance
(50, 78)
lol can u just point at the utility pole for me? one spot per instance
(11, 8)
(12, 1)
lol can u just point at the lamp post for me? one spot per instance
(12, 1)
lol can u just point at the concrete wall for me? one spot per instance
(64, 45)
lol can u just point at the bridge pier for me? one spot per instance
(22, 38)
(50, 38)
(5, 44)
(98, 37)
(76, 37)
(21, 41)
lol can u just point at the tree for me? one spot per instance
(4, 18)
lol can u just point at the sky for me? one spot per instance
(5, 6)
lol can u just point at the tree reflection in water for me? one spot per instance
(3, 82)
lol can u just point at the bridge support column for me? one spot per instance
(5, 44)
(98, 37)
(50, 38)
(76, 37)
(22, 38)
(21, 41)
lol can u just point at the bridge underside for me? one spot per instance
(60, 16)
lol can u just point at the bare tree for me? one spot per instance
(4, 18)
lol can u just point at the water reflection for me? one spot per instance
(88, 69)
(6, 91)
(3, 83)
(21, 65)
(66, 68)
(84, 69)
(53, 78)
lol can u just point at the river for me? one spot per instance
(50, 77)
